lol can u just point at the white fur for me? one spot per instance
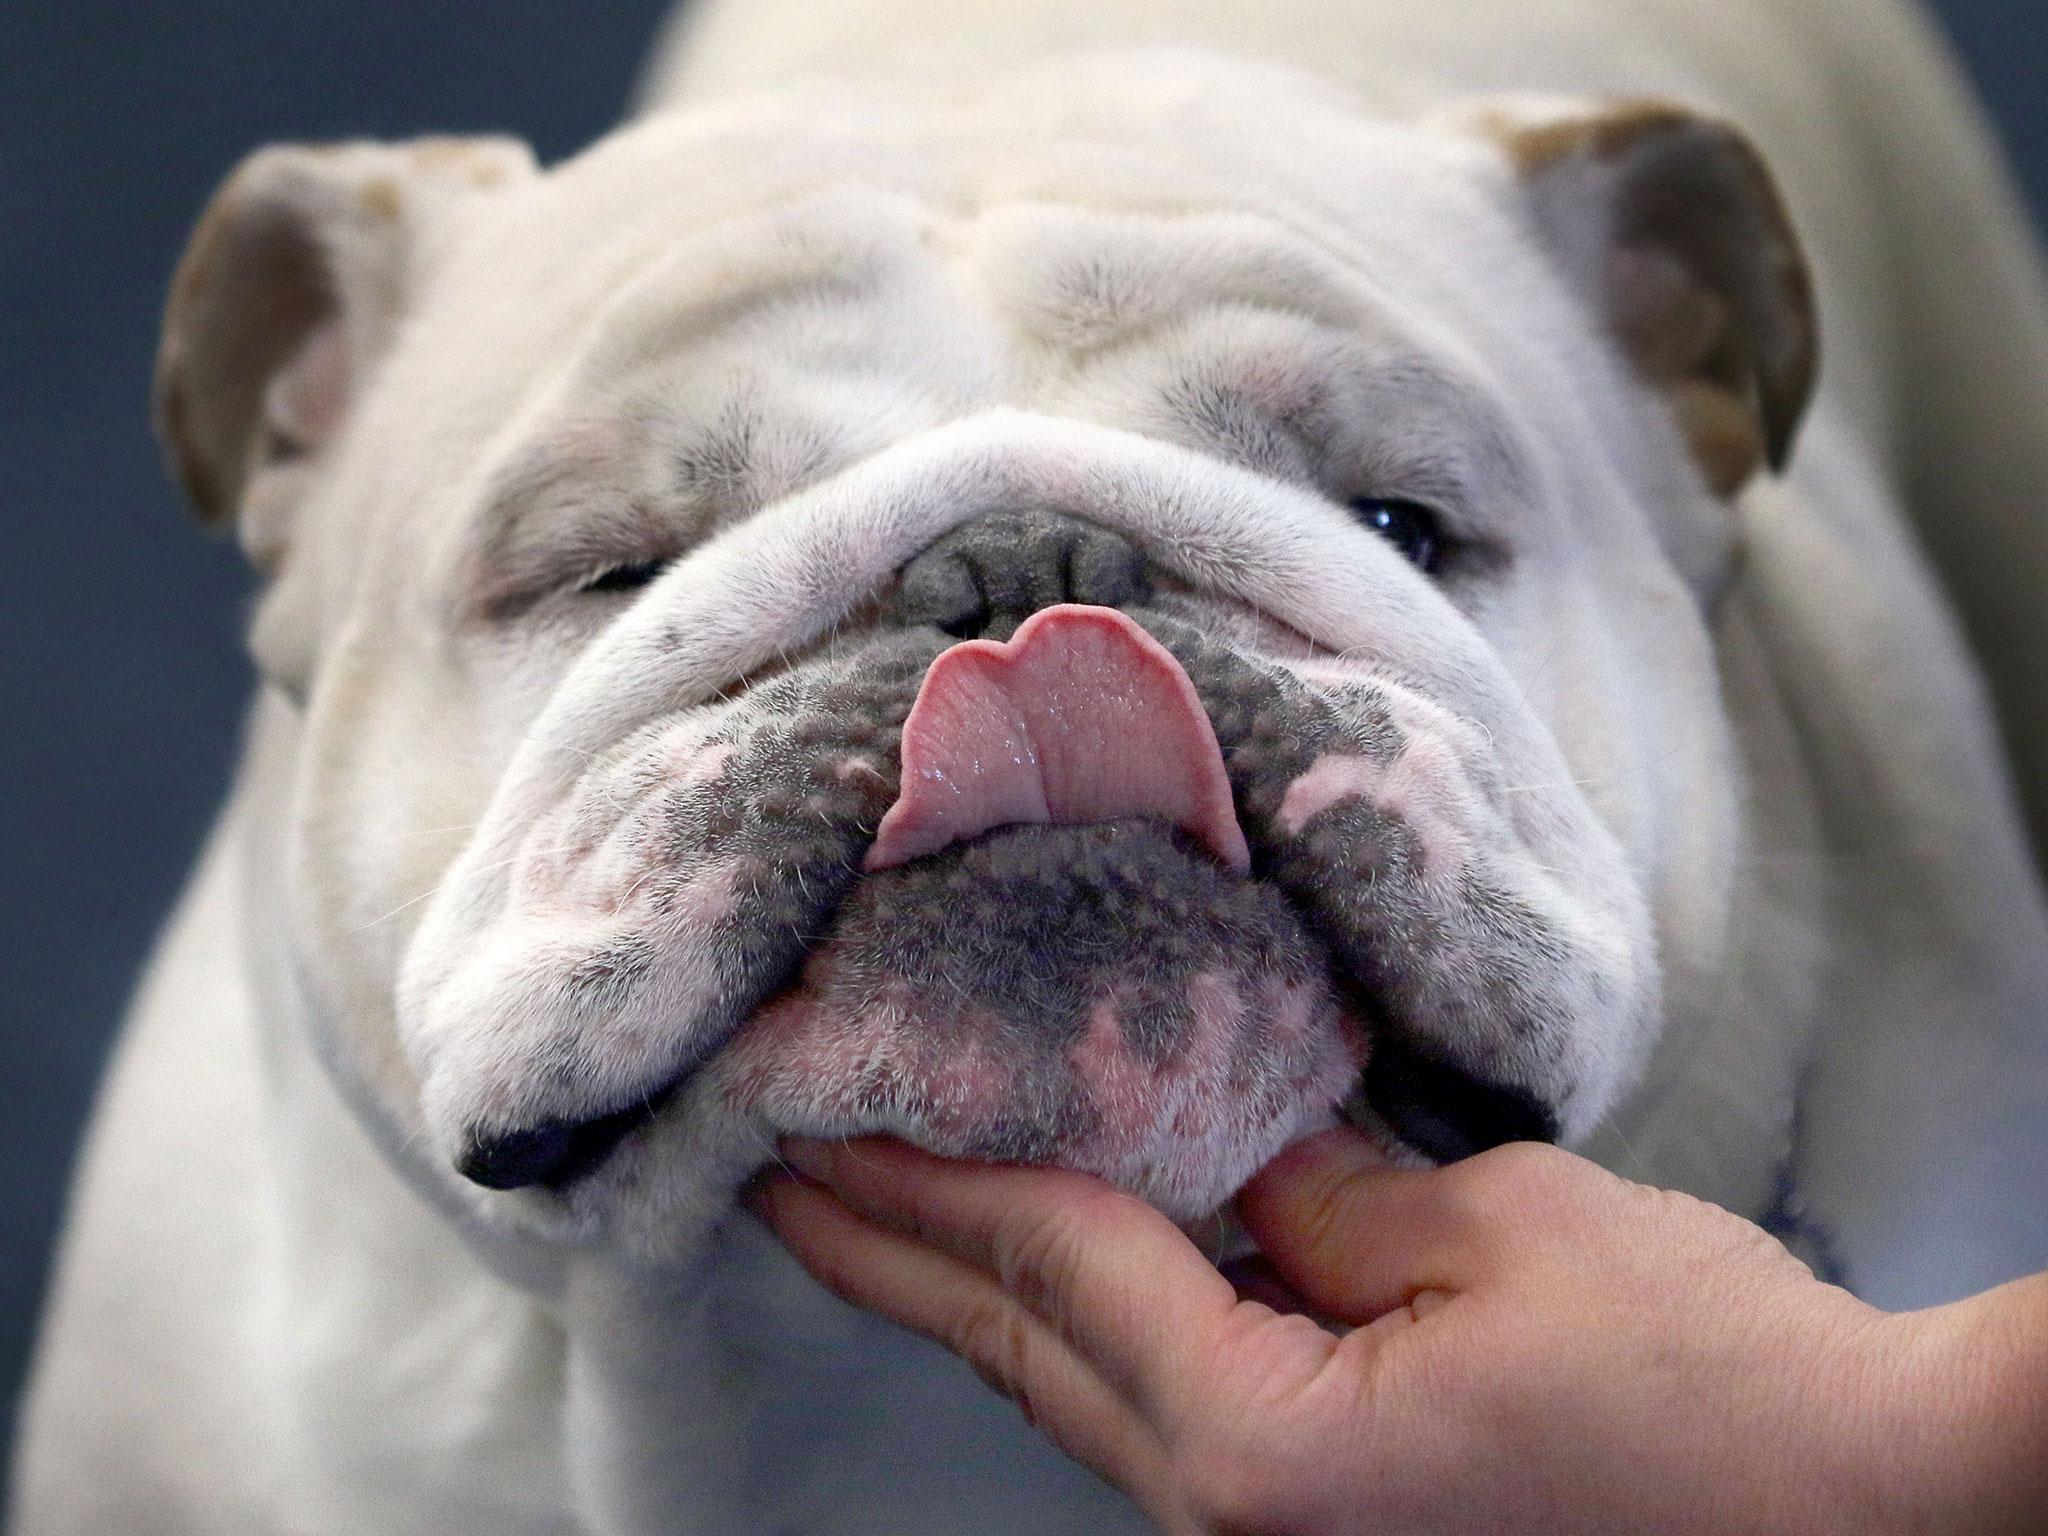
(278, 1309)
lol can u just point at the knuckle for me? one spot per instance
(1524, 1179)
(1041, 1253)
(995, 1339)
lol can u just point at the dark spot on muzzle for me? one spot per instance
(986, 577)
(1444, 1111)
(553, 1154)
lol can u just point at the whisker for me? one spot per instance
(1597, 780)
(429, 892)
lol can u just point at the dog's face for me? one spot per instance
(1067, 623)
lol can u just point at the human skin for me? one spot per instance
(1520, 1342)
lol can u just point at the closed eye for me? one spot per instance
(624, 578)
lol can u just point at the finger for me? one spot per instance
(966, 1311)
(1106, 1270)
(1254, 1279)
(1357, 1238)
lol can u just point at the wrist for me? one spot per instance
(1965, 1403)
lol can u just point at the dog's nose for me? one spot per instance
(988, 576)
(1444, 1111)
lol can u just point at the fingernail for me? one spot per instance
(812, 1159)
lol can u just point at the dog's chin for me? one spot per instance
(1099, 985)
(1103, 997)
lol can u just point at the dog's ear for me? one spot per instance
(1672, 225)
(293, 283)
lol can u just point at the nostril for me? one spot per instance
(986, 577)
(942, 590)
(553, 1154)
(1445, 1112)
(1106, 570)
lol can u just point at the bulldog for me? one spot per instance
(1098, 584)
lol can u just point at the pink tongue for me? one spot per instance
(1080, 717)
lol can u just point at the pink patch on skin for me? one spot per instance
(968, 1089)
(790, 1056)
(1331, 778)
(1254, 1070)
(1217, 1028)
(1323, 1062)
(705, 902)
(852, 768)
(1425, 788)
(824, 1071)
(1143, 1112)
(1218, 1009)
(1119, 1088)
(1286, 1009)
(705, 764)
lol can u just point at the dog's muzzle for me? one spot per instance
(1039, 867)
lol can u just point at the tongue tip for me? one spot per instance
(1212, 817)
(1226, 841)
(1060, 615)
(986, 741)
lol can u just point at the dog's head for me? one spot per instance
(1066, 622)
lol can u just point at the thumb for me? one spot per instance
(1356, 1237)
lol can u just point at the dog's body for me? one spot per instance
(1751, 779)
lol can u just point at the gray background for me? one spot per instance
(121, 672)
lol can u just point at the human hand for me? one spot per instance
(1535, 1345)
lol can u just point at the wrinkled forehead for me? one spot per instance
(1152, 193)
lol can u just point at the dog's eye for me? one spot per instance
(625, 578)
(1408, 525)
